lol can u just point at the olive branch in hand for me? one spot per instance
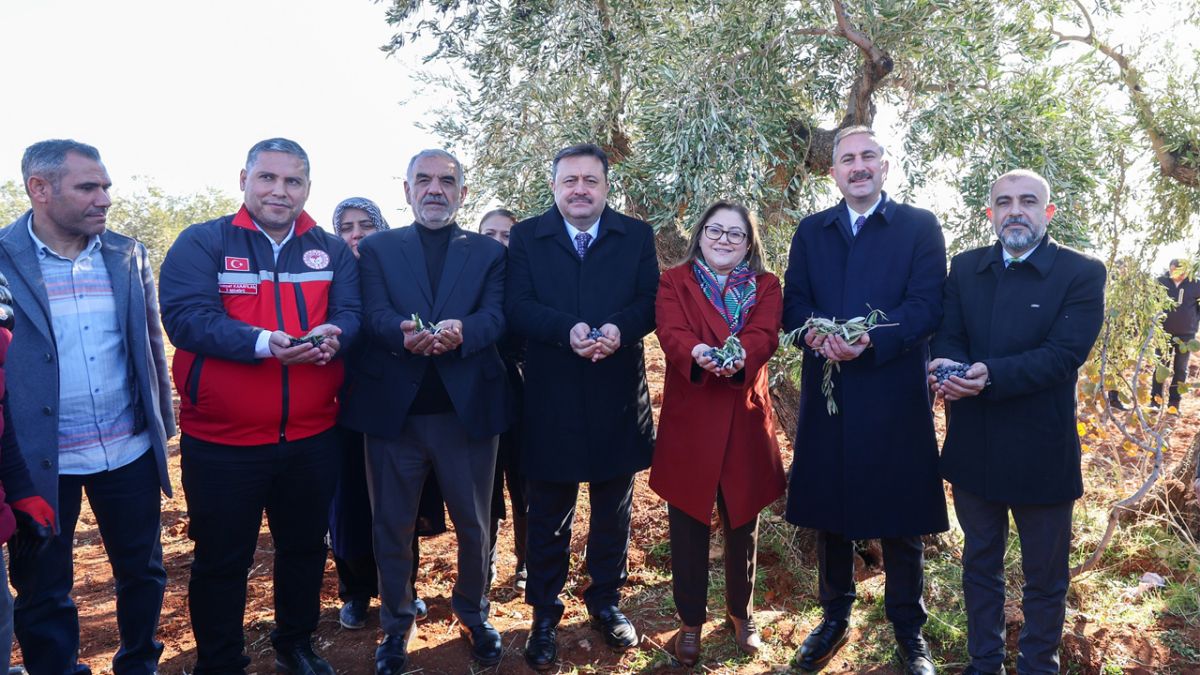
(850, 330)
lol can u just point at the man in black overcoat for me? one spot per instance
(431, 400)
(1024, 313)
(581, 285)
(870, 470)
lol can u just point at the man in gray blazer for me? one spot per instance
(88, 382)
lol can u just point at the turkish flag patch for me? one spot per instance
(237, 264)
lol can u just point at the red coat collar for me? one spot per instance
(304, 222)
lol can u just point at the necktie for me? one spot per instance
(858, 223)
(581, 243)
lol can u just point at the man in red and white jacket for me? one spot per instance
(258, 403)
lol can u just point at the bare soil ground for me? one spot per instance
(785, 609)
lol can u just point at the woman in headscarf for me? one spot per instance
(350, 514)
(716, 434)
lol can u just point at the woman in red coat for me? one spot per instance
(716, 434)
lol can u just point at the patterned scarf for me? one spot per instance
(362, 204)
(735, 300)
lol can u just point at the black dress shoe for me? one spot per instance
(972, 670)
(353, 614)
(391, 657)
(822, 644)
(541, 649)
(299, 659)
(618, 632)
(485, 643)
(914, 654)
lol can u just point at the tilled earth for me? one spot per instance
(784, 613)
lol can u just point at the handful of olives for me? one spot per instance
(314, 340)
(432, 328)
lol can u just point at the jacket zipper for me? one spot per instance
(283, 420)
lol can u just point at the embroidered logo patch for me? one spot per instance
(316, 259)
(237, 264)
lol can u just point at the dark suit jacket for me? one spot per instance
(870, 470)
(583, 421)
(1033, 326)
(1184, 317)
(32, 365)
(384, 381)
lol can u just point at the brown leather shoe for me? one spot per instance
(745, 634)
(685, 645)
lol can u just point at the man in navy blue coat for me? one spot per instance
(577, 268)
(870, 470)
(1024, 313)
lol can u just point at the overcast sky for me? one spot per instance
(178, 92)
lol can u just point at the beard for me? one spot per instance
(1019, 239)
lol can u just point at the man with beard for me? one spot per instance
(581, 291)
(434, 398)
(870, 469)
(258, 304)
(92, 399)
(1024, 313)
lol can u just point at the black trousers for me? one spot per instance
(689, 564)
(904, 583)
(1179, 371)
(551, 514)
(510, 474)
(1045, 532)
(126, 502)
(227, 489)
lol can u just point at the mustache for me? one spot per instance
(1018, 220)
(861, 174)
(435, 199)
(586, 200)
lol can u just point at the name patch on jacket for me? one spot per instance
(237, 283)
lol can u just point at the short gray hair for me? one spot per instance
(436, 152)
(854, 131)
(46, 159)
(284, 145)
(1022, 173)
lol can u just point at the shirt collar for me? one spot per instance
(867, 214)
(43, 250)
(572, 230)
(291, 231)
(1008, 257)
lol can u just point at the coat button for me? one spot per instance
(48, 357)
(46, 464)
(46, 410)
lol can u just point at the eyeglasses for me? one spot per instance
(734, 237)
